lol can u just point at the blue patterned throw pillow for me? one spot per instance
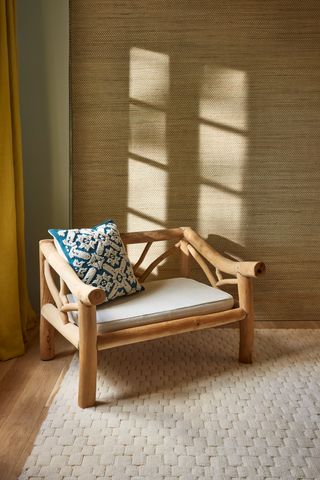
(99, 258)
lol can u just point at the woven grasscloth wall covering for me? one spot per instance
(206, 114)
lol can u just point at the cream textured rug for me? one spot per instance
(183, 408)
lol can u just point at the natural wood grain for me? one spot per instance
(64, 299)
(172, 250)
(25, 388)
(249, 269)
(247, 325)
(53, 289)
(184, 259)
(142, 257)
(63, 288)
(69, 307)
(51, 284)
(68, 330)
(87, 356)
(199, 259)
(87, 294)
(5, 366)
(226, 281)
(85, 337)
(171, 327)
(47, 331)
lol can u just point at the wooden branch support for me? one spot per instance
(46, 329)
(152, 266)
(51, 285)
(248, 269)
(84, 337)
(63, 288)
(247, 325)
(68, 330)
(56, 295)
(69, 307)
(198, 258)
(219, 275)
(87, 294)
(171, 327)
(227, 281)
(184, 259)
(142, 257)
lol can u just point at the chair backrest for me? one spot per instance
(189, 244)
(174, 235)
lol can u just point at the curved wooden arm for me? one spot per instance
(247, 269)
(85, 293)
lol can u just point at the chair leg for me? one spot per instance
(87, 356)
(247, 325)
(47, 350)
(246, 339)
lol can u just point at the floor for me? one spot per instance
(27, 386)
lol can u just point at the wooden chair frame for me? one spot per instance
(55, 304)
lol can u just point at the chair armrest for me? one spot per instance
(85, 293)
(247, 269)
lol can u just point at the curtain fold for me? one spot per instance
(16, 314)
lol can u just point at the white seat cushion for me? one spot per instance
(161, 300)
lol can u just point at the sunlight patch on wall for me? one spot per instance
(149, 77)
(223, 145)
(224, 95)
(147, 190)
(222, 210)
(148, 133)
(136, 223)
(147, 164)
(222, 156)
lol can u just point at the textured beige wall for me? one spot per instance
(205, 113)
(43, 40)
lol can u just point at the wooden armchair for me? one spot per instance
(73, 307)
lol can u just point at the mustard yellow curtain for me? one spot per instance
(15, 311)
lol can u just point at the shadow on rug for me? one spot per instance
(184, 408)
